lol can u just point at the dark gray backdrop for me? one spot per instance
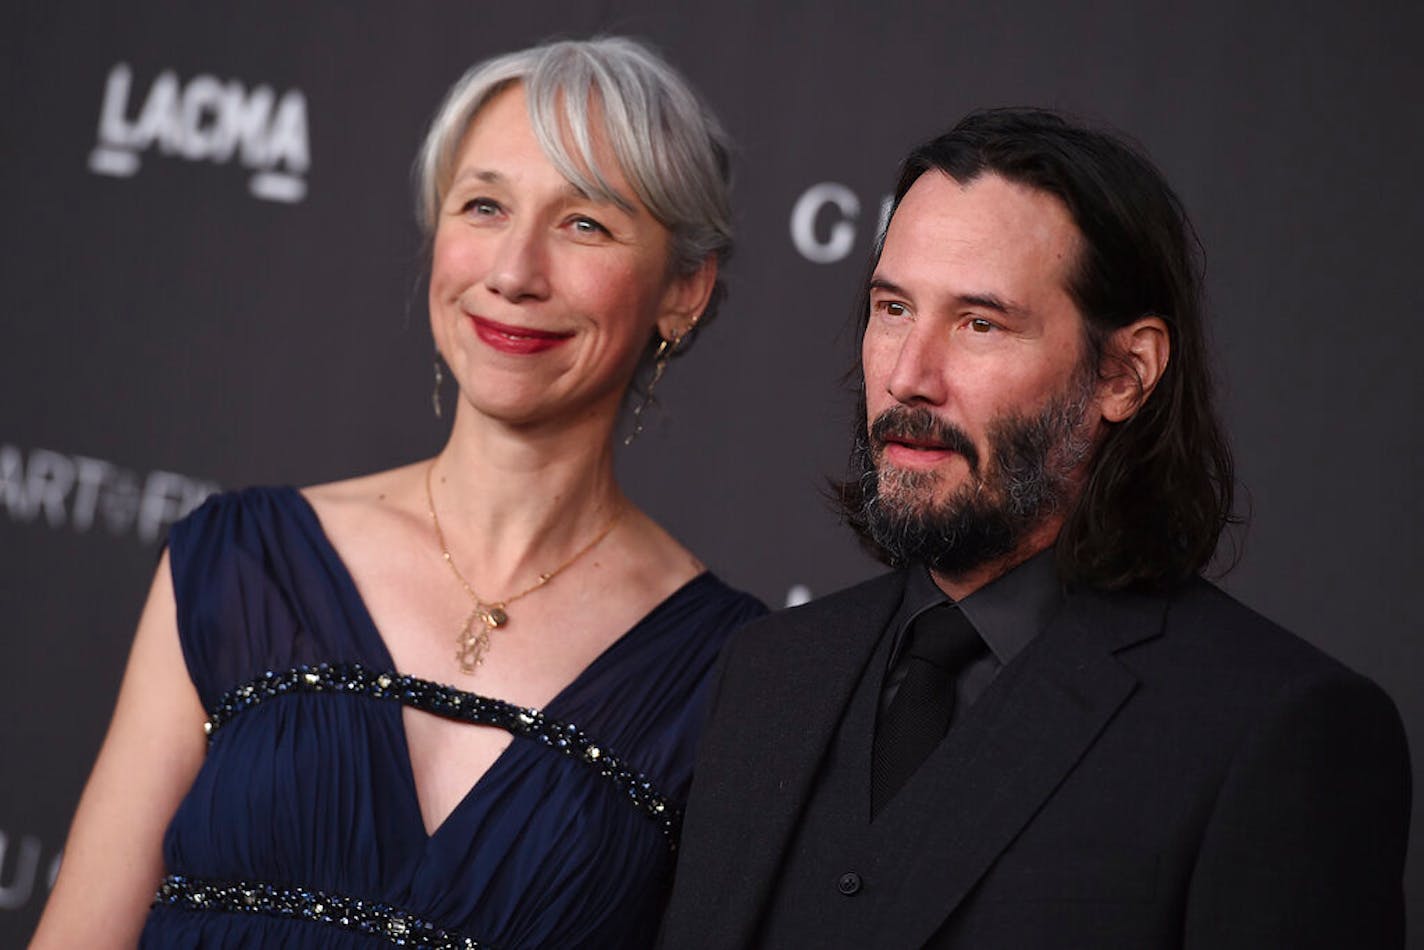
(171, 324)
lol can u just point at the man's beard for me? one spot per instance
(1026, 479)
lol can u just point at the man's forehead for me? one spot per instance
(988, 206)
(996, 234)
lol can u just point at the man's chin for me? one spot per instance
(919, 494)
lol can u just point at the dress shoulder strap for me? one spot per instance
(255, 591)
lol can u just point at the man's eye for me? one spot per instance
(892, 308)
(980, 325)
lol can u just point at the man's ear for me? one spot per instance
(685, 299)
(1133, 363)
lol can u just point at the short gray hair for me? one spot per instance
(668, 145)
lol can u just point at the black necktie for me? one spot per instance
(939, 644)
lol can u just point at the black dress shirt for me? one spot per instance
(1008, 613)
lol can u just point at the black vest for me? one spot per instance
(826, 895)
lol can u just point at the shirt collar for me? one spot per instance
(1008, 612)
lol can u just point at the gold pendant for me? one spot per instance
(474, 640)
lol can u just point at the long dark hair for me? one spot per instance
(1159, 489)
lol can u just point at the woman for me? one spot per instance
(576, 199)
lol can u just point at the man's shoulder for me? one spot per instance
(1205, 628)
(859, 610)
(869, 596)
(873, 592)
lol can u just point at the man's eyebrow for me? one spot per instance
(889, 286)
(985, 300)
(992, 302)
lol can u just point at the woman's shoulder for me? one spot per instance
(229, 515)
(254, 568)
(363, 495)
(726, 605)
(663, 562)
(237, 531)
(368, 493)
(367, 514)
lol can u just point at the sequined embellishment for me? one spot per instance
(563, 737)
(399, 927)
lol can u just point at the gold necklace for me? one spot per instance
(473, 640)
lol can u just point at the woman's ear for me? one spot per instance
(1135, 359)
(685, 299)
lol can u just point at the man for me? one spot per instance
(1043, 729)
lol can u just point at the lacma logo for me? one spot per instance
(207, 119)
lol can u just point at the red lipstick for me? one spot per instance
(521, 341)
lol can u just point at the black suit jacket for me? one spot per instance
(1152, 771)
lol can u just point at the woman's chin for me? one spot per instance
(528, 412)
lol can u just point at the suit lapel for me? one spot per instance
(784, 693)
(997, 768)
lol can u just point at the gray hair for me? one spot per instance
(668, 145)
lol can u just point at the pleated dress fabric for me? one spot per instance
(311, 790)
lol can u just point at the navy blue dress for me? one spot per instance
(302, 828)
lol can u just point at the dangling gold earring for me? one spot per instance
(435, 393)
(660, 364)
(661, 358)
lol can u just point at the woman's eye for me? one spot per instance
(481, 207)
(587, 226)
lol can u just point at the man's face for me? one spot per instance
(980, 408)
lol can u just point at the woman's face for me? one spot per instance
(541, 298)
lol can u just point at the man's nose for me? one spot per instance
(519, 268)
(919, 375)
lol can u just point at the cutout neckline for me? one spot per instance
(376, 642)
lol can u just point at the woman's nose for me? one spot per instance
(518, 270)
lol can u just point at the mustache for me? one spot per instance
(920, 425)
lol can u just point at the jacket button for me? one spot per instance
(848, 883)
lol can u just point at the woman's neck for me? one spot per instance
(516, 502)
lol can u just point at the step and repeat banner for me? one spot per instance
(211, 277)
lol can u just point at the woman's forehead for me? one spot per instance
(577, 142)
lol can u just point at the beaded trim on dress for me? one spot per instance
(373, 918)
(452, 703)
